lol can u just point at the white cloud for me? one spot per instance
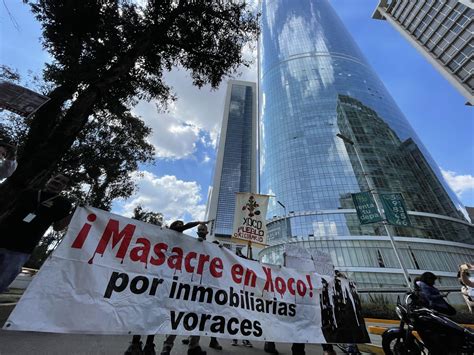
(176, 133)
(459, 183)
(176, 199)
(172, 137)
(204, 107)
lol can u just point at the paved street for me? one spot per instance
(26, 343)
(47, 343)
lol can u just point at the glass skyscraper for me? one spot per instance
(314, 84)
(235, 169)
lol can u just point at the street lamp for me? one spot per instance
(282, 205)
(286, 217)
(377, 204)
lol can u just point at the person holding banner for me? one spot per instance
(27, 223)
(135, 347)
(245, 342)
(202, 233)
(193, 343)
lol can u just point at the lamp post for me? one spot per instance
(286, 217)
(377, 204)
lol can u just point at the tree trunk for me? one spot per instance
(47, 117)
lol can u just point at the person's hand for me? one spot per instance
(218, 244)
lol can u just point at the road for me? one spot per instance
(34, 343)
(12, 342)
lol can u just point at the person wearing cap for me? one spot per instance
(8, 162)
(431, 295)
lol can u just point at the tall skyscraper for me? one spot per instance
(441, 31)
(314, 84)
(470, 211)
(236, 163)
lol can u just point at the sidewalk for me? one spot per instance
(46, 343)
(15, 342)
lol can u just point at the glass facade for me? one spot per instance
(440, 29)
(235, 169)
(354, 254)
(314, 84)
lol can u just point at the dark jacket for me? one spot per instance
(434, 299)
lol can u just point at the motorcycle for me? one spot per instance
(437, 334)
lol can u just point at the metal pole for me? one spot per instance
(379, 208)
(286, 217)
(249, 251)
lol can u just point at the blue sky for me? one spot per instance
(185, 137)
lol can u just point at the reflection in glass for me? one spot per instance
(315, 83)
(235, 169)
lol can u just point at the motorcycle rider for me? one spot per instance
(431, 296)
(422, 312)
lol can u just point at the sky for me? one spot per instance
(185, 137)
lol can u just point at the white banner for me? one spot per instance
(249, 217)
(114, 275)
(300, 258)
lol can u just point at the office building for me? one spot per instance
(315, 83)
(470, 211)
(236, 162)
(441, 31)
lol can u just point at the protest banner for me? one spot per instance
(342, 319)
(300, 258)
(115, 275)
(296, 255)
(249, 218)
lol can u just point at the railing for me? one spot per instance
(402, 289)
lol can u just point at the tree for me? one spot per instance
(141, 214)
(117, 56)
(103, 156)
